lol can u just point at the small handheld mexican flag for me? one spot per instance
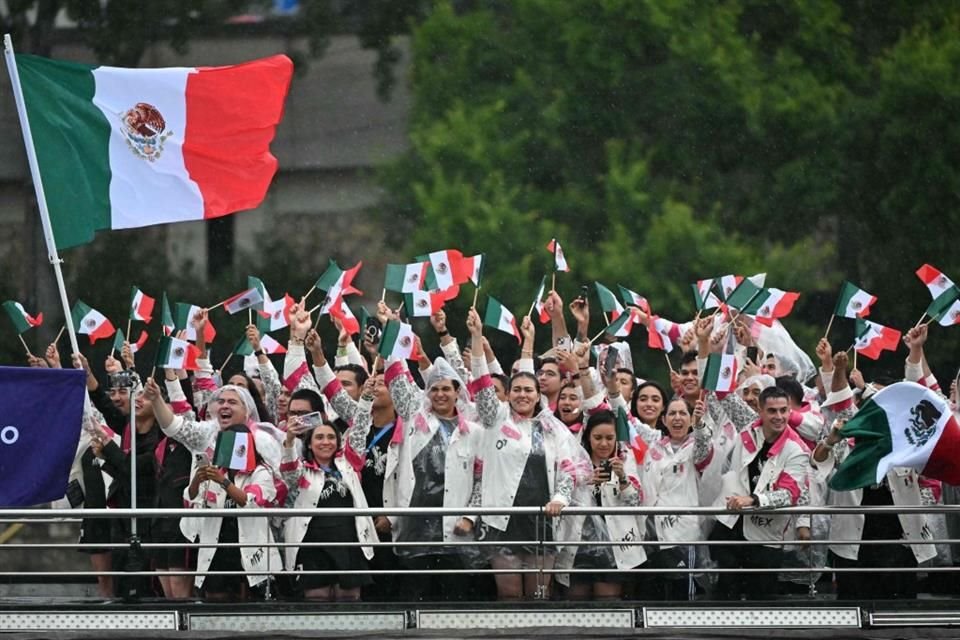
(235, 450)
(247, 299)
(175, 353)
(559, 260)
(119, 339)
(873, 338)
(903, 425)
(421, 304)
(343, 313)
(337, 283)
(473, 267)
(853, 302)
(608, 301)
(720, 374)
(499, 317)
(629, 437)
(445, 270)
(90, 322)
(537, 306)
(166, 318)
(274, 315)
(632, 298)
(398, 341)
(141, 306)
(945, 307)
(22, 321)
(184, 313)
(405, 278)
(703, 295)
(253, 282)
(663, 334)
(623, 325)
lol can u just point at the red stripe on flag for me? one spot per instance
(232, 114)
(944, 461)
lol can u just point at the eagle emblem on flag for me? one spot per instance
(145, 130)
(405, 342)
(241, 450)
(923, 423)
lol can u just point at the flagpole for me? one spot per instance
(60, 334)
(24, 343)
(129, 322)
(830, 324)
(307, 294)
(596, 337)
(854, 358)
(249, 315)
(553, 281)
(476, 292)
(225, 362)
(669, 364)
(310, 312)
(920, 320)
(383, 294)
(52, 255)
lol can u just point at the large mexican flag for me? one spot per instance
(903, 425)
(120, 148)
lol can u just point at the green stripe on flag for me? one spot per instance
(623, 426)
(71, 137)
(873, 441)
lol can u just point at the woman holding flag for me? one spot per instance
(671, 478)
(615, 483)
(327, 476)
(530, 459)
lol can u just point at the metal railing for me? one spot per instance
(542, 547)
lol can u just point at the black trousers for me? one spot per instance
(755, 586)
(435, 587)
(881, 585)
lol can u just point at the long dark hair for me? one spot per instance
(664, 396)
(597, 419)
(307, 437)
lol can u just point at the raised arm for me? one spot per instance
(489, 408)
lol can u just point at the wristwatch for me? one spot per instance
(259, 352)
(225, 483)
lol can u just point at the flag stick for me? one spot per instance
(606, 318)
(307, 294)
(224, 365)
(129, 322)
(553, 281)
(920, 320)
(530, 313)
(310, 312)
(596, 337)
(153, 370)
(60, 334)
(216, 306)
(249, 315)
(854, 358)
(383, 294)
(376, 363)
(52, 255)
(476, 292)
(930, 321)
(697, 316)
(24, 343)
(829, 324)
(669, 364)
(400, 308)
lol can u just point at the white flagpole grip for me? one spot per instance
(52, 253)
